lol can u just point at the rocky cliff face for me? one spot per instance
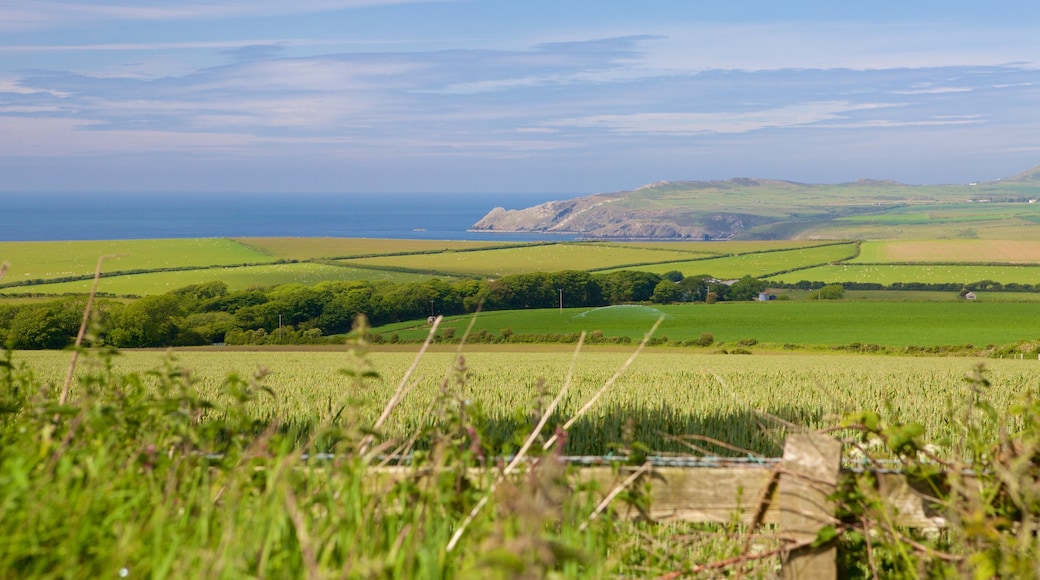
(605, 216)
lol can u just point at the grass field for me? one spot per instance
(312, 248)
(534, 258)
(194, 260)
(757, 264)
(906, 251)
(238, 278)
(798, 322)
(47, 260)
(723, 247)
(891, 273)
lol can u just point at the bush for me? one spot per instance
(706, 339)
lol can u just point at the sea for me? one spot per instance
(125, 216)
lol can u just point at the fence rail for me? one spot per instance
(791, 493)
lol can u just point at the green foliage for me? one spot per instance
(985, 482)
(829, 292)
(747, 288)
(143, 475)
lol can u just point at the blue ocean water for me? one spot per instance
(120, 216)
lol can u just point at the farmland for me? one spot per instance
(806, 323)
(759, 264)
(143, 267)
(237, 278)
(670, 392)
(159, 434)
(925, 273)
(50, 260)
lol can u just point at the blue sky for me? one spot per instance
(568, 96)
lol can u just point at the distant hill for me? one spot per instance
(1029, 175)
(747, 208)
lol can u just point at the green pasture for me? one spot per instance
(313, 248)
(237, 278)
(531, 258)
(805, 323)
(918, 296)
(757, 264)
(959, 213)
(960, 251)
(48, 260)
(722, 247)
(927, 273)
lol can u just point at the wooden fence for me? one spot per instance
(793, 494)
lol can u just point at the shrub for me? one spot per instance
(706, 339)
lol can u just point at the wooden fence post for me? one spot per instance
(811, 465)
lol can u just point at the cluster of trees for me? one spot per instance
(209, 313)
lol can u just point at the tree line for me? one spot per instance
(208, 313)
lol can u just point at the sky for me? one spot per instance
(559, 96)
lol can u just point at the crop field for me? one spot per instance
(48, 260)
(952, 214)
(723, 247)
(711, 395)
(532, 258)
(312, 248)
(895, 324)
(927, 273)
(156, 266)
(238, 278)
(758, 264)
(1005, 251)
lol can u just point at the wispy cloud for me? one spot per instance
(796, 115)
(42, 14)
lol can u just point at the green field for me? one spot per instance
(531, 258)
(930, 273)
(894, 324)
(156, 266)
(758, 264)
(312, 248)
(238, 278)
(706, 394)
(49, 260)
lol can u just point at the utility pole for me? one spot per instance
(431, 307)
(561, 300)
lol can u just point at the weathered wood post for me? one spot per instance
(811, 465)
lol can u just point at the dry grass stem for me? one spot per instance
(82, 329)
(523, 450)
(613, 494)
(402, 387)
